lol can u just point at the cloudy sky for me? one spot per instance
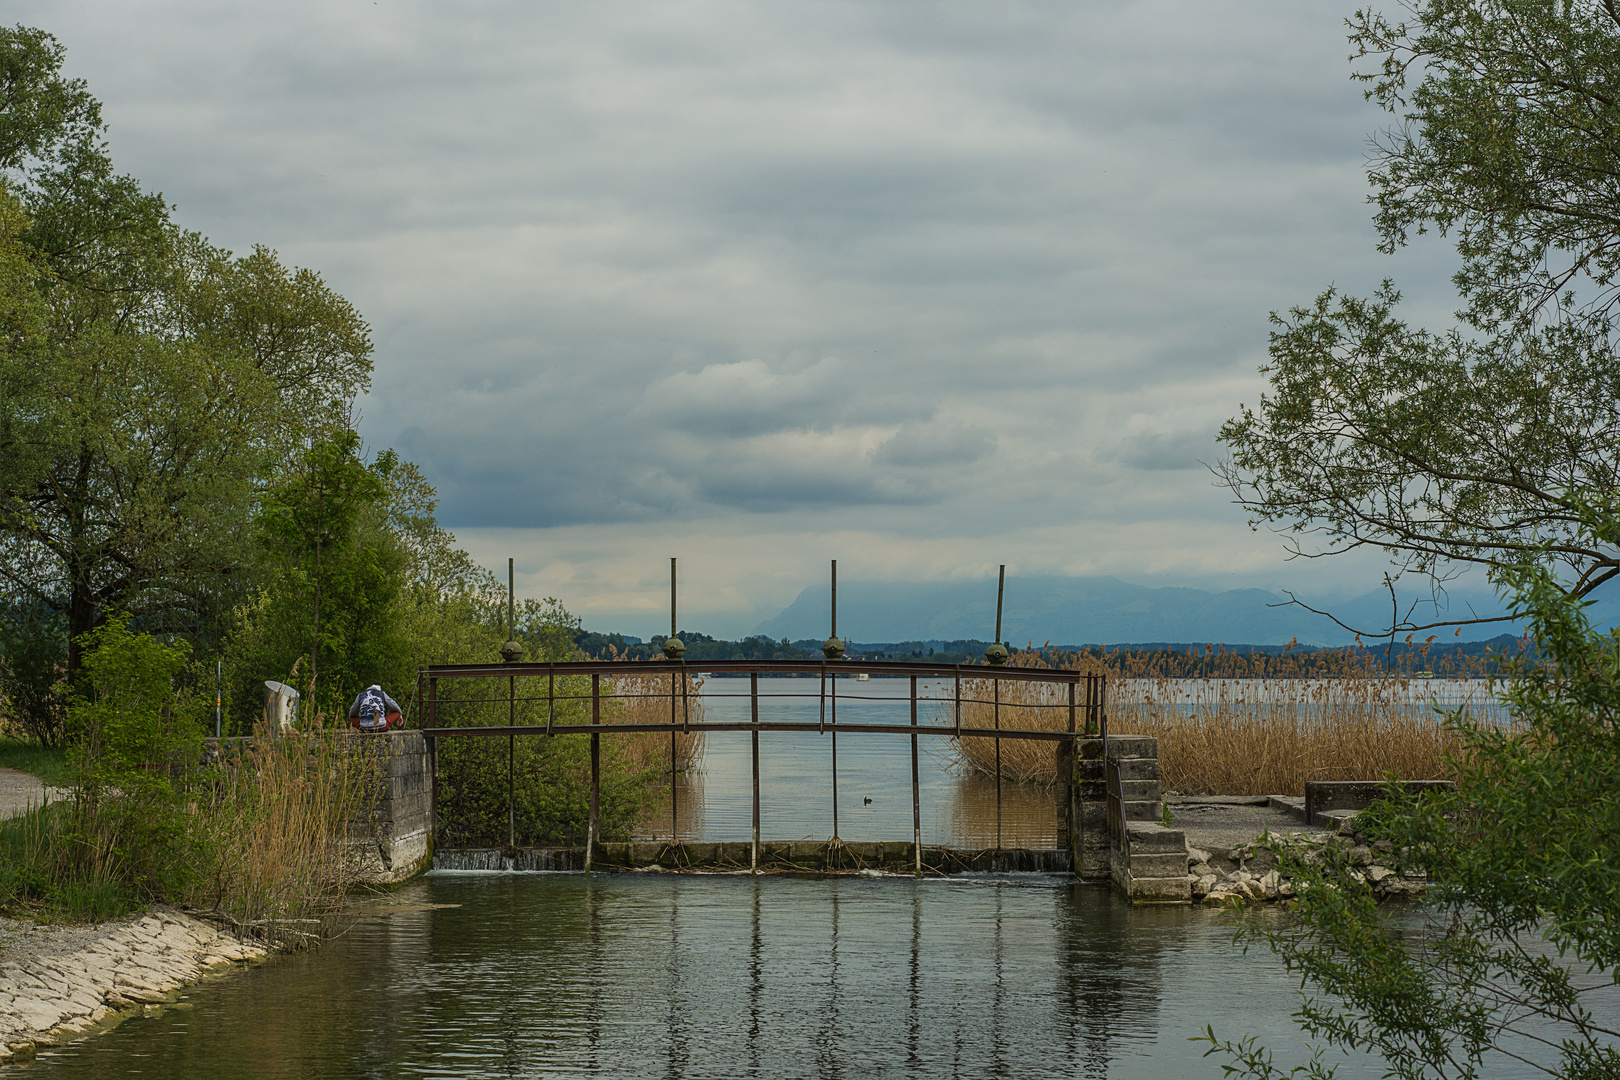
(923, 287)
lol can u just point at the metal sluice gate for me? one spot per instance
(1083, 700)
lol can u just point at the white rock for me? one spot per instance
(1379, 873)
(1197, 855)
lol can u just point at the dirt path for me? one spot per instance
(20, 791)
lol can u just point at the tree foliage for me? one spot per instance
(1523, 910)
(152, 382)
(1460, 447)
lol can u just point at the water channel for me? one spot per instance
(474, 975)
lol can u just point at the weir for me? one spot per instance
(1107, 806)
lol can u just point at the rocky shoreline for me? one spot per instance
(1250, 872)
(60, 983)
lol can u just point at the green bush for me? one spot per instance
(135, 731)
(551, 789)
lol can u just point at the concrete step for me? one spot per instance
(1142, 810)
(1147, 838)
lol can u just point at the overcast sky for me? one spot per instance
(925, 287)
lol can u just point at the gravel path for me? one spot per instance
(19, 792)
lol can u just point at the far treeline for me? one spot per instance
(1155, 659)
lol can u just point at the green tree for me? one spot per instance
(33, 670)
(1459, 448)
(136, 730)
(152, 382)
(336, 573)
(1524, 895)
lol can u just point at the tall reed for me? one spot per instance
(286, 825)
(1236, 736)
(645, 699)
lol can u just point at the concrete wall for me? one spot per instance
(1333, 797)
(776, 857)
(400, 844)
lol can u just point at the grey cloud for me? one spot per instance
(1159, 451)
(938, 443)
(668, 261)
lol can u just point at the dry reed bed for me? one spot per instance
(1230, 736)
(286, 823)
(645, 699)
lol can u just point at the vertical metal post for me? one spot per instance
(596, 771)
(433, 794)
(1001, 587)
(674, 794)
(996, 684)
(958, 703)
(511, 713)
(219, 693)
(822, 716)
(1102, 708)
(916, 799)
(753, 712)
(433, 721)
(1066, 803)
(835, 705)
(551, 695)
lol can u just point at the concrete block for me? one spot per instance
(1138, 768)
(1159, 890)
(1139, 791)
(1133, 746)
(1142, 810)
(1165, 864)
(1147, 838)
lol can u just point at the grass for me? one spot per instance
(42, 874)
(283, 826)
(268, 839)
(27, 756)
(1225, 735)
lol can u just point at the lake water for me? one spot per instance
(874, 773)
(541, 975)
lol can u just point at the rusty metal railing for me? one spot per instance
(1092, 706)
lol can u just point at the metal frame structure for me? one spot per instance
(1093, 704)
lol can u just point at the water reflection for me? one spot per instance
(620, 975)
(874, 775)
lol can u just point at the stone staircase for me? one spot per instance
(1147, 862)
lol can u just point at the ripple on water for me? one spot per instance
(687, 976)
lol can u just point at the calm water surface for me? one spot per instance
(539, 975)
(874, 773)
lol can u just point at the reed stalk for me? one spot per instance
(1225, 735)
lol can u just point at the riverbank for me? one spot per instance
(1232, 846)
(60, 982)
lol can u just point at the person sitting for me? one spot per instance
(374, 711)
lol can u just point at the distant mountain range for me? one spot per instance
(1101, 611)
